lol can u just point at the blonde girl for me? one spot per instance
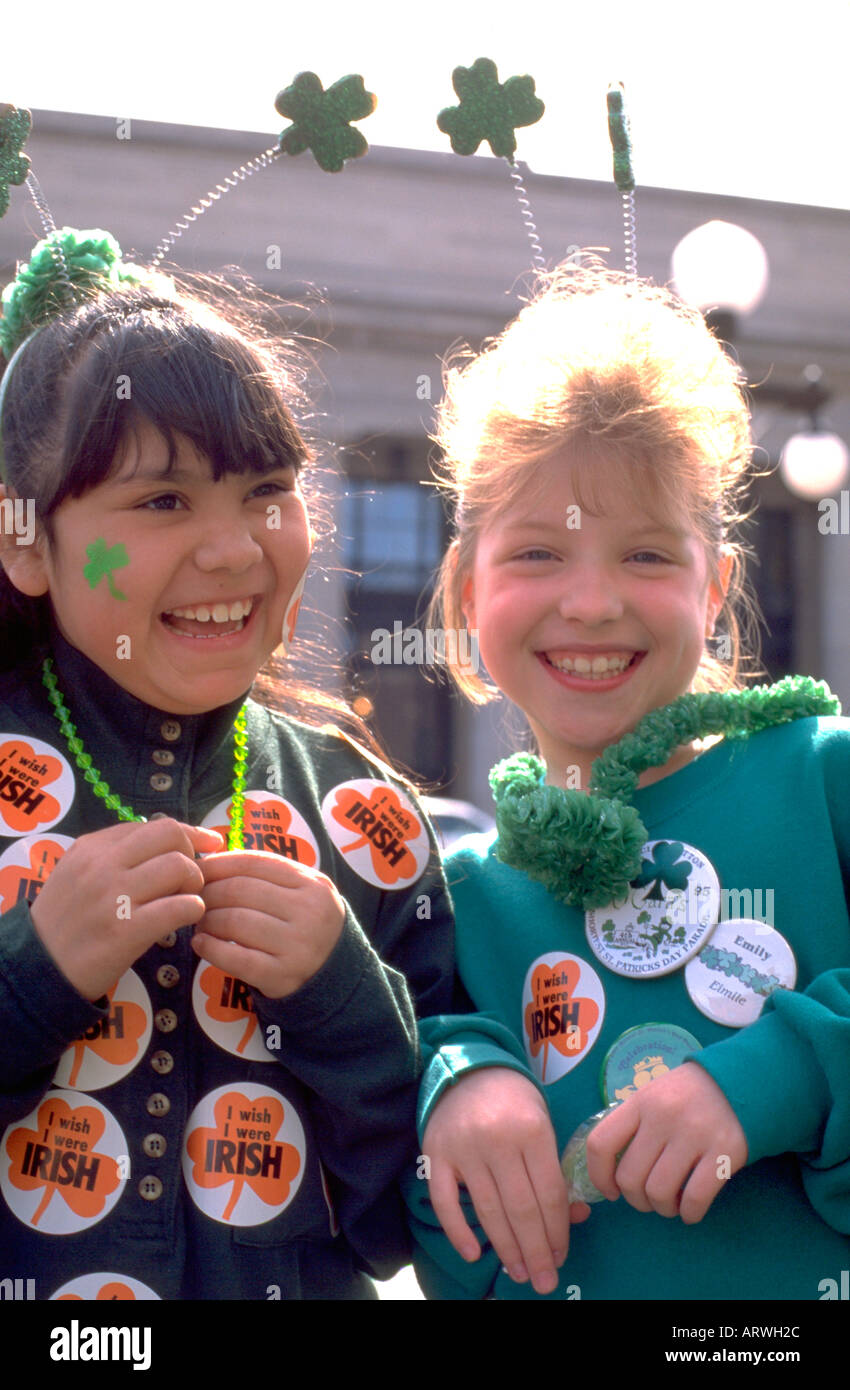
(596, 452)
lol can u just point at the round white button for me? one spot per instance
(668, 914)
(739, 967)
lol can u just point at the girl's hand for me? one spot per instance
(117, 891)
(492, 1132)
(684, 1141)
(268, 921)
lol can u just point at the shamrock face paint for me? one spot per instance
(103, 559)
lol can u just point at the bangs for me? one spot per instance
(605, 483)
(192, 380)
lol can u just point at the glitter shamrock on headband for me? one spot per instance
(321, 119)
(321, 122)
(621, 144)
(15, 126)
(492, 110)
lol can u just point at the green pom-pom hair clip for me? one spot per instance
(92, 261)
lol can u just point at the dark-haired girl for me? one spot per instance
(211, 910)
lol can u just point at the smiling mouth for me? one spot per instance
(206, 620)
(599, 667)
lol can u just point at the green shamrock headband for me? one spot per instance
(68, 266)
(493, 111)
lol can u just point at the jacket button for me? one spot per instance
(154, 1145)
(158, 1104)
(163, 757)
(167, 940)
(167, 976)
(162, 1062)
(162, 782)
(150, 1188)
(170, 730)
(165, 1020)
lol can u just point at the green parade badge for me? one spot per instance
(574, 1160)
(646, 1051)
(642, 1054)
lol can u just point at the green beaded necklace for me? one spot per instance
(109, 798)
(586, 846)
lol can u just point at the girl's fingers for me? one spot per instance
(508, 1209)
(700, 1190)
(634, 1169)
(547, 1181)
(243, 963)
(256, 931)
(605, 1142)
(203, 837)
(139, 843)
(155, 919)
(489, 1208)
(664, 1183)
(443, 1191)
(255, 893)
(256, 864)
(166, 875)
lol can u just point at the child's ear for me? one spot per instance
(467, 602)
(718, 589)
(22, 554)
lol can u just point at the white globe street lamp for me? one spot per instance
(814, 464)
(721, 266)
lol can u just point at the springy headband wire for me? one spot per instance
(68, 266)
(492, 110)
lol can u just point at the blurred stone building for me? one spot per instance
(413, 253)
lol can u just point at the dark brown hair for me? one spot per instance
(207, 361)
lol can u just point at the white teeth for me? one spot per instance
(596, 668)
(219, 612)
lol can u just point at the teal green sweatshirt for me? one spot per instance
(771, 813)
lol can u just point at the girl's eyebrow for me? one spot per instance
(636, 530)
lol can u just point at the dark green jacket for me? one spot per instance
(205, 1144)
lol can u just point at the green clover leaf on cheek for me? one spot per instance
(103, 559)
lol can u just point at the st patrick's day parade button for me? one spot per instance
(667, 915)
(740, 966)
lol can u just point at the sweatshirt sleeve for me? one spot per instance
(350, 1035)
(787, 1075)
(454, 1045)
(40, 1014)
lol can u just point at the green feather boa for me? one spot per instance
(585, 847)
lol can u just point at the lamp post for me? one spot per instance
(722, 270)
